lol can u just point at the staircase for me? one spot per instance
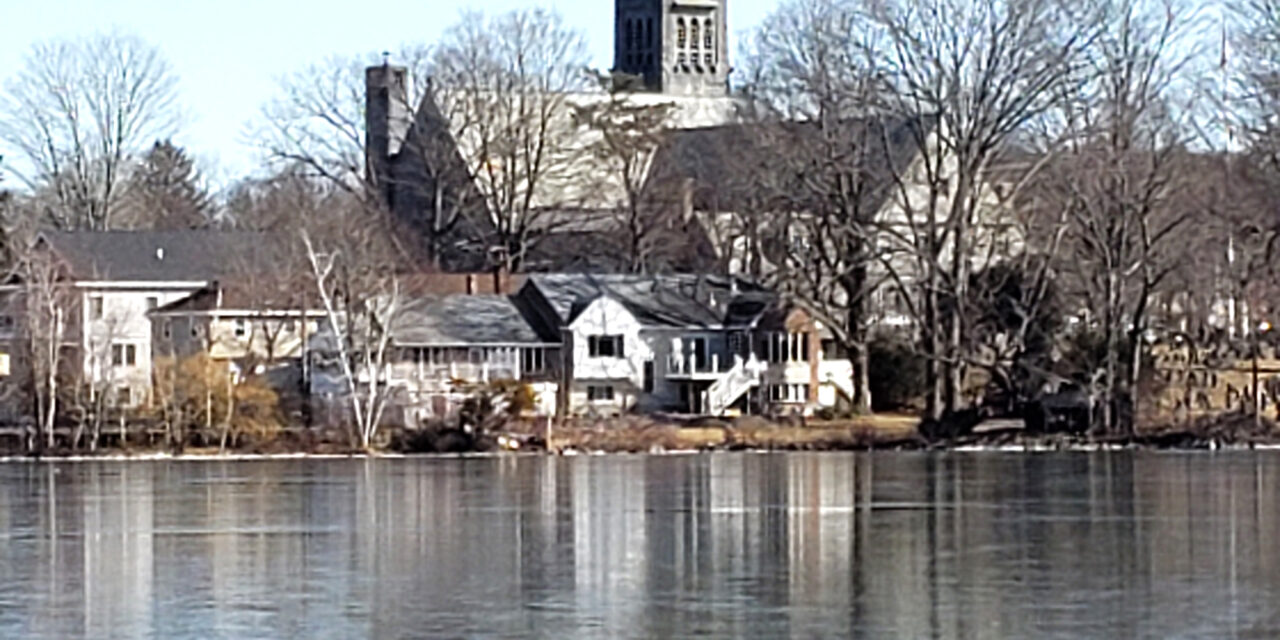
(726, 390)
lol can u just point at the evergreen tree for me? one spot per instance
(164, 191)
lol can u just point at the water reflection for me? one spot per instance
(903, 545)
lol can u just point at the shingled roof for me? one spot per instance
(152, 256)
(658, 300)
(462, 320)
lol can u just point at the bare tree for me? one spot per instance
(359, 290)
(627, 137)
(814, 88)
(46, 306)
(76, 115)
(985, 68)
(503, 85)
(1115, 179)
(316, 121)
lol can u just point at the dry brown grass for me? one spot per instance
(638, 435)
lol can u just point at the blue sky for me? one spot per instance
(228, 53)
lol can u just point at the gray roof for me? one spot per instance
(187, 255)
(683, 300)
(764, 164)
(459, 320)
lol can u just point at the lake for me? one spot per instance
(910, 545)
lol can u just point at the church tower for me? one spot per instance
(679, 47)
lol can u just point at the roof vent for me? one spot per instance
(159, 253)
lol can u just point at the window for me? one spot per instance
(533, 360)
(680, 61)
(602, 393)
(124, 396)
(605, 346)
(707, 61)
(648, 34)
(681, 35)
(95, 308)
(167, 329)
(693, 35)
(241, 327)
(630, 35)
(7, 323)
(152, 302)
(708, 36)
(124, 355)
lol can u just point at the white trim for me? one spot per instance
(468, 345)
(141, 284)
(236, 313)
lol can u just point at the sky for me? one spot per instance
(228, 54)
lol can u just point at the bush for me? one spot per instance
(897, 371)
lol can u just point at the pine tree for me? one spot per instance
(164, 191)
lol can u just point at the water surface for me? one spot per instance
(908, 545)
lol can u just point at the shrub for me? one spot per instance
(897, 371)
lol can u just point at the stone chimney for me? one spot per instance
(386, 118)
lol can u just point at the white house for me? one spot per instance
(116, 278)
(683, 344)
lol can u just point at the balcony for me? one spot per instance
(688, 366)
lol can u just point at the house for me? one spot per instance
(588, 344)
(689, 344)
(247, 327)
(442, 346)
(114, 278)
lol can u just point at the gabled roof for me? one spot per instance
(460, 320)
(155, 256)
(765, 164)
(678, 301)
(585, 182)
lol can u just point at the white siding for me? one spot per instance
(124, 321)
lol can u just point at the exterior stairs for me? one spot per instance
(726, 390)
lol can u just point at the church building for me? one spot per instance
(428, 161)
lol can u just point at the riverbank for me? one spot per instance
(644, 435)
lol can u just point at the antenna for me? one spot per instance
(386, 58)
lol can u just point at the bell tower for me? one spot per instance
(679, 47)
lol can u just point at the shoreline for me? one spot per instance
(881, 433)
(1026, 447)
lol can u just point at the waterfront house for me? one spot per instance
(112, 279)
(690, 344)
